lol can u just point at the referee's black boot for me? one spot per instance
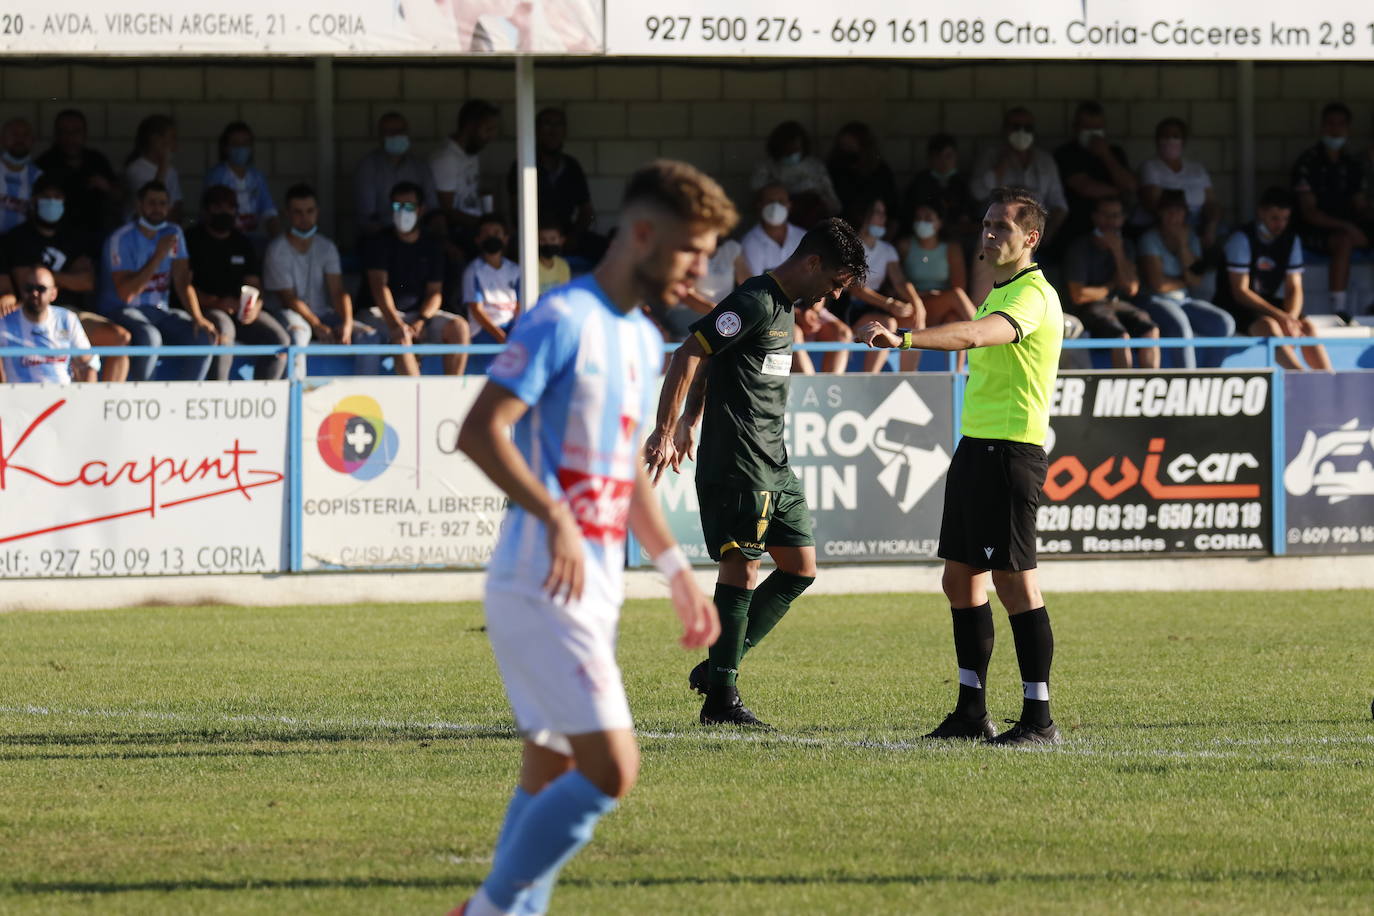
(959, 726)
(724, 707)
(1023, 734)
(697, 679)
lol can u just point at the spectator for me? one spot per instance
(86, 176)
(789, 163)
(304, 283)
(48, 237)
(935, 266)
(773, 238)
(945, 189)
(1335, 215)
(553, 267)
(16, 143)
(1170, 266)
(1018, 162)
(1171, 172)
(491, 289)
(712, 286)
(154, 145)
(1262, 284)
(1100, 268)
(382, 169)
(564, 194)
(257, 214)
(405, 274)
(900, 305)
(458, 170)
(223, 261)
(1091, 169)
(143, 261)
(39, 323)
(857, 170)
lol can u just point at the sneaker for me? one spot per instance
(957, 725)
(697, 679)
(1023, 735)
(723, 707)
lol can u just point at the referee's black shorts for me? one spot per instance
(992, 492)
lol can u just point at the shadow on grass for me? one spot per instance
(286, 735)
(169, 754)
(420, 882)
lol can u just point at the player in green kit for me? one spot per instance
(995, 477)
(737, 365)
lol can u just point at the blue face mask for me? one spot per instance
(152, 227)
(396, 145)
(792, 159)
(50, 209)
(12, 159)
(240, 155)
(309, 233)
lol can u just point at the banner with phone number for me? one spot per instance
(1158, 463)
(1328, 474)
(1058, 29)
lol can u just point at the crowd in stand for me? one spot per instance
(95, 255)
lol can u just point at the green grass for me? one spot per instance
(1219, 758)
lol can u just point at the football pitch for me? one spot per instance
(1218, 757)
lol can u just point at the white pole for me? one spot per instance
(527, 181)
(324, 143)
(1245, 139)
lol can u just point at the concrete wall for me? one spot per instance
(622, 113)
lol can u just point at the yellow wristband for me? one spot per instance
(906, 339)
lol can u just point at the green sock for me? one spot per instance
(732, 603)
(772, 599)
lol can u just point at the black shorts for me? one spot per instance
(751, 521)
(992, 492)
(1113, 318)
(1318, 240)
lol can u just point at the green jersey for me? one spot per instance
(1009, 386)
(748, 340)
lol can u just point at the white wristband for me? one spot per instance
(671, 562)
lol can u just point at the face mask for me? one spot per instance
(239, 155)
(492, 245)
(792, 159)
(14, 160)
(306, 234)
(1086, 137)
(1171, 148)
(1020, 140)
(877, 231)
(1334, 143)
(220, 222)
(50, 209)
(549, 252)
(775, 214)
(404, 220)
(925, 229)
(152, 227)
(945, 175)
(397, 145)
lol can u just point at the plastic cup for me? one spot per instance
(248, 297)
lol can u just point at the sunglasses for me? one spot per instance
(408, 206)
(38, 288)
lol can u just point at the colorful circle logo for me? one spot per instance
(355, 440)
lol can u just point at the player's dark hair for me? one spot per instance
(836, 243)
(784, 135)
(1169, 122)
(1172, 198)
(218, 194)
(941, 142)
(150, 127)
(149, 187)
(47, 182)
(1339, 108)
(1276, 197)
(475, 111)
(683, 191)
(300, 191)
(1030, 213)
(1088, 107)
(408, 187)
(233, 127)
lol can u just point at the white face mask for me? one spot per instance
(404, 220)
(877, 231)
(1086, 137)
(925, 229)
(1020, 140)
(1333, 142)
(792, 159)
(775, 214)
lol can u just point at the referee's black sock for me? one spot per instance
(1034, 652)
(973, 636)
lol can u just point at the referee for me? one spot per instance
(993, 487)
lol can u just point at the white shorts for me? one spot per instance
(558, 663)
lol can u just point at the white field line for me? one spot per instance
(1071, 748)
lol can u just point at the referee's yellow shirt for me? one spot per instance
(1009, 386)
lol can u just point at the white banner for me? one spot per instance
(150, 479)
(1115, 29)
(384, 484)
(341, 27)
